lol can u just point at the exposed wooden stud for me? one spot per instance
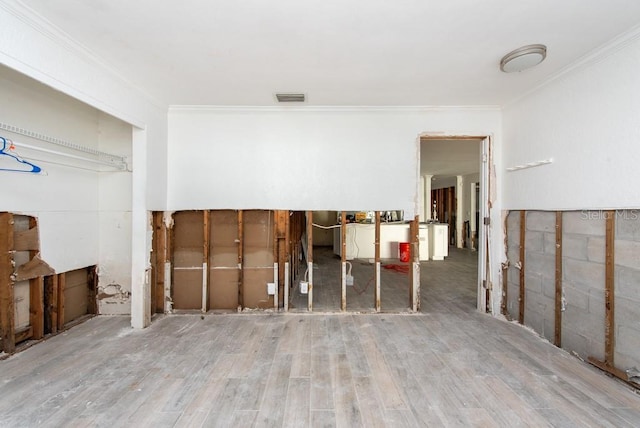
(523, 227)
(377, 264)
(7, 317)
(162, 257)
(92, 282)
(287, 258)
(36, 306)
(27, 240)
(414, 266)
(36, 287)
(609, 292)
(240, 260)
(343, 258)
(557, 338)
(206, 231)
(61, 288)
(310, 259)
(51, 309)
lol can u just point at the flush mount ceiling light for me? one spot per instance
(290, 98)
(523, 58)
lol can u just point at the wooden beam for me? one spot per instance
(36, 289)
(276, 258)
(36, 306)
(206, 231)
(61, 288)
(310, 259)
(162, 256)
(609, 292)
(23, 334)
(51, 307)
(523, 227)
(92, 283)
(282, 249)
(377, 304)
(7, 306)
(343, 258)
(33, 268)
(557, 338)
(415, 252)
(287, 258)
(240, 260)
(27, 240)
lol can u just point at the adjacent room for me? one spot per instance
(312, 214)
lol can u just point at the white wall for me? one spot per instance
(587, 120)
(305, 159)
(114, 210)
(33, 47)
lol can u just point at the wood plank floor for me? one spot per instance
(448, 366)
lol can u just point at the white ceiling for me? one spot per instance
(448, 158)
(357, 52)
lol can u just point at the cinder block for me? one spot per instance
(574, 246)
(580, 272)
(585, 323)
(628, 340)
(628, 284)
(548, 287)
(549, 244)
(572, 341)
(513, 227)
(596, 303)
(533, 282)
(596, 250)
(628, 225)
(584, 222)
(534, 320)
(627, 253)
(625, 361)
(595, 349)
(549, 329)
(533, 242)
(540, 263)
(576, 298)
(543, 221)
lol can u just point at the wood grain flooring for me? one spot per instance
(448, 366)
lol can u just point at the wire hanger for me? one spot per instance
(5, 147)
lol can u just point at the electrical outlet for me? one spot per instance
(350, 280)
(271, 288)
(304, 287)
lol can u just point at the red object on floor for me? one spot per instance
(397, 268)
(405, 251)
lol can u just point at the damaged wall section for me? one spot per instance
(584, 314)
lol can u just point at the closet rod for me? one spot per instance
(59, 142)
(119, 165)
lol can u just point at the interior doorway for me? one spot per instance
(454, 179)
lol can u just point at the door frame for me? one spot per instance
(485, 220)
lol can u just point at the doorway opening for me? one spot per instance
(454, 178)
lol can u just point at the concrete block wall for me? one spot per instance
(583, 280)
(513, 255)
(540, 264)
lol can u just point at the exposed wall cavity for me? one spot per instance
(573, 298)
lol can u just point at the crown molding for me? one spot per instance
(311, 108)
(43, 26)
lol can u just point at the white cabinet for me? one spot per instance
(438, 241)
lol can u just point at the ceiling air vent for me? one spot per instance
(290, 98)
